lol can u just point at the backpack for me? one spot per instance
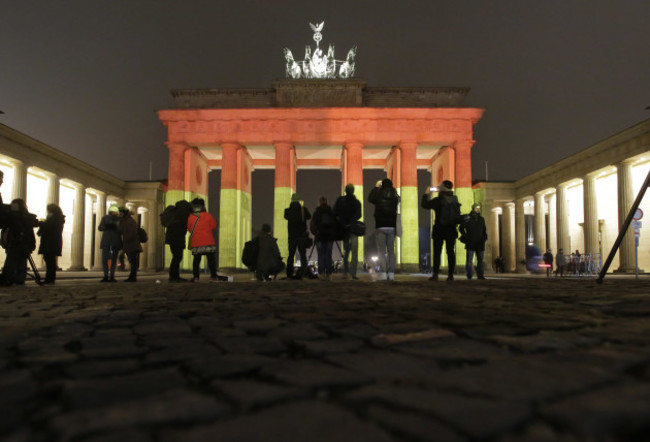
(142, 235)
(249, 254)
(449, 214)
(168, 216)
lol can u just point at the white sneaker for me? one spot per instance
(391, 276)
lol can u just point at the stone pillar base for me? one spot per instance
(409, 268)
(627, 270)
(77, 269)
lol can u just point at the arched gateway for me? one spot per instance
(307, 124)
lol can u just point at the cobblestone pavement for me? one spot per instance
(498, 360)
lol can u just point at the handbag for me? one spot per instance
(358, 228)
(192, 232)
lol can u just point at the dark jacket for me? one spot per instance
(130, 237)
(175, 233)
(348, 209)
(439, 230)
(18, 236)
(296, 222)
(386, 200)
(51, 233)
(474, 231)
(269, 259)
(324, 224)
(112, 235)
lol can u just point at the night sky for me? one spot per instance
(555, 76)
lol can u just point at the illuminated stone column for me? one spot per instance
(590, 214)
(552, 223)
(625, 201)
(520, 236)
(78, 227)
(509, 247)
(20, 181)
(352, 172)
(144, 256)
(562, 219)
(235, 211)
(52, 188)
(463, 187)
(88, 231)
(493, 235)
(409, 242)
(540, 220)
(100, 211)
(176, 175)
(285, 185)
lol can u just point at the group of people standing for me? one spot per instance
(120, 232)
(328, 224)
(19, 241)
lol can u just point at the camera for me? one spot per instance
(434, 189)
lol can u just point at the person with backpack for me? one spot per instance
(51, 232)
(385, 199)
(297, 215)
(473, 233)
(348, 210)
(201, 225)
(447, 216)
(130, 243)
(324, 225)
(174, 219)
(19, 242)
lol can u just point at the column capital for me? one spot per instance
(283, 145)
(354, 145)
(176, 145)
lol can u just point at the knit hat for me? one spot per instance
(295, 198)
(446, 186)
(114, 208)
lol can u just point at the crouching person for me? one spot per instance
(269, 260)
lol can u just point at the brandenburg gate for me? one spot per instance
(321, 117)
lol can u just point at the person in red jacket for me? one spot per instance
(201, 226)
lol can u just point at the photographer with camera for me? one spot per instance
(19, 242)
(447, 210)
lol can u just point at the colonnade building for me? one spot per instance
(578, 203)
(40, 175)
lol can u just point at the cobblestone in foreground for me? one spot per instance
(498, 360)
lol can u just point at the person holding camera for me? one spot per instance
(385, 199)
(447, 216)
(297, 215)
(348, 210)
(19, 242)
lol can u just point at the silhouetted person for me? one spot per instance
(111, 242)
(323, 225)
(19, 242)
(348, 210)
(499, 265)
(447, 211)
(176, 230)
(201, 225)
(297, 215)
(51, 232)
(474, 232)
(560, 262)
(385, 199)
(548, 260)
(269, 260)
(131, 243)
